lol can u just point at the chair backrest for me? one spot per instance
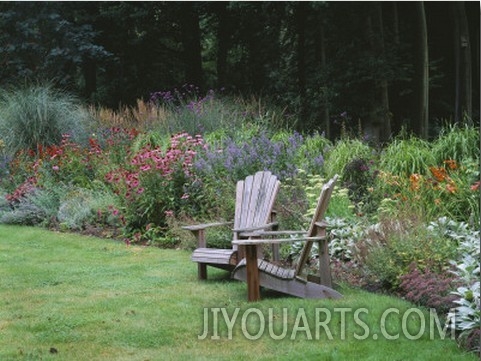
(322, 205)
(317, 218)
(255, 197)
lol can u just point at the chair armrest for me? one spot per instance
(250, 229)
(198, 227)
(271, 233)
(257, 241)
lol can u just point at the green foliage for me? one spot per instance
(404, 157)
(457, 142)
(393, 247)
(38, 207)
(36, 116)
(449, 190)
(310, 154)
(45, 43)
(80, 207)
(158, 183)
(344, 152)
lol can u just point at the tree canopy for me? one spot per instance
(383, 65)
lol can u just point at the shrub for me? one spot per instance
(359, 178)
(37, 206)
(39, 116)
(344, 152)
(80, 208)
(392, 246)
(465, 318)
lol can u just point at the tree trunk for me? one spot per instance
(222, 42)
(89, 70)
(463, 97)
(325, 102)
(378, 126)
(420, 120)
(189, 20)
(300, 18)
(385, 113)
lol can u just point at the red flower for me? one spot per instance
(475, 186)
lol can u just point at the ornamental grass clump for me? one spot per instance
(35, 116)
(405, 156)
(457, 142)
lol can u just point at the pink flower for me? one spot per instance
(185, 196)
(140, 190)
(55, 168)
(145, 167)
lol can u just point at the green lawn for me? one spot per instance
(69, 297)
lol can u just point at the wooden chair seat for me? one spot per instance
(213, 256)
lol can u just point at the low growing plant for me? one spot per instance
(391, 247)
(427, 288)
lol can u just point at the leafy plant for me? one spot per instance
(38, 206)
(38, 116)
(457, 142)
(342, 153)
(391, 247)
(406, 156)
(448, 190)
(427, 288)
(157, 182)
(235, 159)
(465, 318)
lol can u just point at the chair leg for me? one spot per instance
(202, 271)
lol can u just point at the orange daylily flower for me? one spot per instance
(451, 163)
(414, 179)
(438, 173)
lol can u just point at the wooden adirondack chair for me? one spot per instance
(255, 197)
(258, 272)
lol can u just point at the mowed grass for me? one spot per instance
(70, 297)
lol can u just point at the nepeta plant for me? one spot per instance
(236, 160)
